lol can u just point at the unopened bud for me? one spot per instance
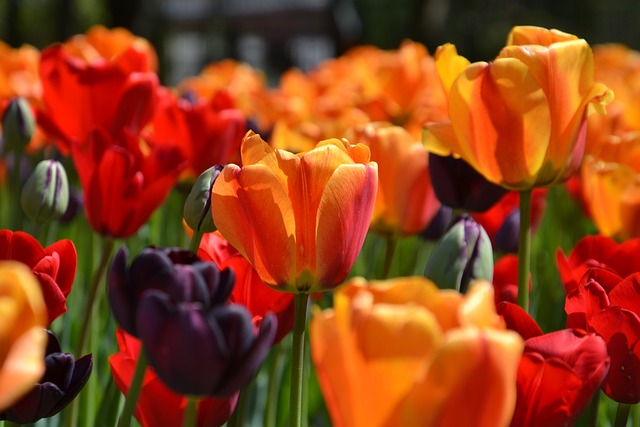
(197, 208)
(463, 254)
(18, 125)
(45, 195)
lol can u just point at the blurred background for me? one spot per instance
(274, 35)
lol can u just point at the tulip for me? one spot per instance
(249, 290)
(172, 300)
(45, 195)
(607, 304)
(559, 372)
(22, 335)
(158, 406)
(197, 207)
(122, 184)
(18, 125)
(406, 202)
(439, 224)
(401, 352)
(462, 255)
(53, 266)
(506, 118)
(459, 186)
(63, 379)
(299, 219)
(505, 279)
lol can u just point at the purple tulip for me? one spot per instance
(459, 186)
(63, 379)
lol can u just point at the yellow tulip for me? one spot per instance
(23, 337)
(299, 219)
(403, 353)
(521, 119)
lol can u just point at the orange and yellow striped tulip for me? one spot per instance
(299, 219)
(521, 119)
(406, 202)
(402, 352)
(23, 337)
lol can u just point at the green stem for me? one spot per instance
(237, 418)
(194, 244)
(622, 414)
(134, 390)
(392, 243)
(300, 302)
(107, 248)
(591, 413)
(190, 412)
(17, 185)
(43, 234)
(274, 386)
(524, 249)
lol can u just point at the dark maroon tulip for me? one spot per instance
(179, 273)
(63, 379)
(459, 186)
(438, 225)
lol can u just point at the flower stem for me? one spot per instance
(300, 302)
(591, 413)
(622, 414)
(190, 412)
(194, 244)
(107, 248)
(237, 418)
(17, 185)
(134, 390)
(43, 234)
(390, 251)
(524, 249)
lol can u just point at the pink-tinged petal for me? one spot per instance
(343, 219)
(517, 319)
(626, 294)
(621, 331)
(253, 212)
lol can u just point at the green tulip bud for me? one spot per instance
(18, 125)
(197, 208)
(463, 254)
(45, 195)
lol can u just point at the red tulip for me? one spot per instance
(157, 405)
(598, 251)
(122, 185)
(505, 279)
(79, 96)
(558, 374)
(609, 305)
(249, 291)
(205, 134)
(54, 266)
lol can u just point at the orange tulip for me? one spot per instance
(403, 353)
(23, 337)
(406, 202)
(521, 119)
(299, 219)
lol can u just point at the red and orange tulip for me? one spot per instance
(507, 118)
(23, 338)
(299, 219)
(406, 202)
(402, 352)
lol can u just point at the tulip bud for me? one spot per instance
(463, 254)
(63, 379)
(197, 208)
(18, 125)
(45, 195)
(459, 186)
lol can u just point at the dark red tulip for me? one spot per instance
(123, 185)
(63, 379)
(157, 405)
(80, 96)
(54, 266)
(505, 279)
(249, 291)
(460, 186)
(559, 372)
(206, 133)
(609, 305)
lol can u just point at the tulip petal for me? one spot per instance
(517, 319)
(342, 221)
(626, 293)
